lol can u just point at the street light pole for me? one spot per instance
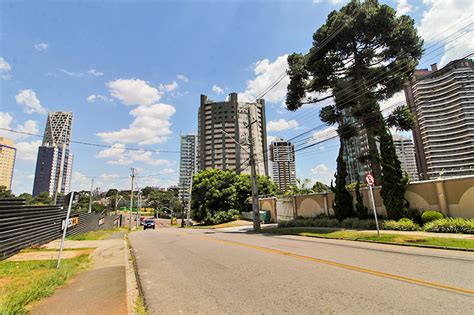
(90, 196)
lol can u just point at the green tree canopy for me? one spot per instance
(5, 193)
(42, 199)
(363, 54)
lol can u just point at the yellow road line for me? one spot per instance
(340, 265)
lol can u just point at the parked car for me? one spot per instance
(149, 224)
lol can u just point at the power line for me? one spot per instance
(92, 144)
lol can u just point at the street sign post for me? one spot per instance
(66, 223)
(369, 178)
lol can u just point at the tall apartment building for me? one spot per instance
(7, 162)
(406, 155)
(54, 162)
(188, 164)
(222, 124)
(282, 155)
(443, 103)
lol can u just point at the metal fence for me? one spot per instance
(22, 226)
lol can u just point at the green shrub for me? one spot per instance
(403, 224)
(356, 223)
(415, 216)
(450, 225)
(325, 222)
(224, 216)
(429, 216)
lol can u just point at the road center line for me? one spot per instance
(340, 265)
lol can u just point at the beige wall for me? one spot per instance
(454, 197)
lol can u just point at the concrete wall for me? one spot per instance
(454, 197)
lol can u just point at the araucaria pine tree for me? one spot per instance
(361, 210)
(393, 181)
(343, 207)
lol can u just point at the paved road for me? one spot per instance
(215, 272)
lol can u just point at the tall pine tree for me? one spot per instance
(393, 181)
(343, 207)
(361, 210)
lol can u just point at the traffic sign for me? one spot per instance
(369, 178)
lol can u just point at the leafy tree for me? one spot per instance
(301, 187)
(147, 191)
(28, 198)
(5, 193)
(343, 207)
(243, 186)
(42, 199)
(159, 199)
(393, 182)
(320, 187)
(97, 207)
(361, 210)
(363, 54)
(111, 192)
(401, 118)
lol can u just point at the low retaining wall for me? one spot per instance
(452, 196)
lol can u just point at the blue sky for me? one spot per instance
(132, 73)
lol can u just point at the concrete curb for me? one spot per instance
(135, 288)
(378, 242)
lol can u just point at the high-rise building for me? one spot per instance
(223, 134)
(54, 162)
(406, 155)
(282, 155)
(7, 162)
(53, 170)
(188, 164)
(443, 103)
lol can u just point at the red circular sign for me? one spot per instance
(370, 179)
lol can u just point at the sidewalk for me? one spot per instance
(102, 289)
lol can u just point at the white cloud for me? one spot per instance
(403, 7)
(182, 77)
(41, 46)
(322, 173)
(446, 14)
(151, 125)
(117, 155)
(6, 120)
(324, 134)
(80, 182)
(281, 124)
(267, 73)
(95, 72)
(270, 139)
(398, 99)
(4, 69)
(30, 101)
(134, 92)
(27, 151)
(23, 180)
(217, 89)
(97, 97)
(169, 87)
(72, 74)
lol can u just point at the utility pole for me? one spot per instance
(253, 174)
(138, 209)
(131, 201)
(188, 218)
(90, 196)
(116, 202)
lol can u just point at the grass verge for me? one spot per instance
(94, 235)
(222, 225)
(23, 282)
(372, 236)
(140, 307)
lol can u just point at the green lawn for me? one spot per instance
(94, 235)
(23, 282)
(222, 225)
(372, 236)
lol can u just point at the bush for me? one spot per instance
(429, 216)
(356, 223)
(415, 216)
(223, 216)
(450, 225)
(403, 224)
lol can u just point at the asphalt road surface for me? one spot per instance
(211, 272)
